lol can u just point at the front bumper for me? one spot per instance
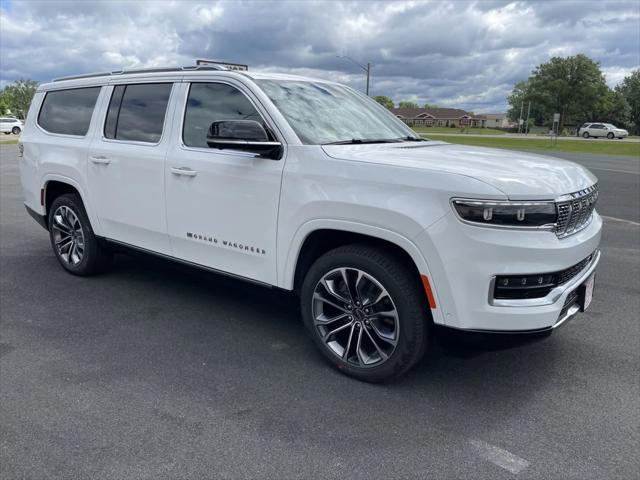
(464, 259)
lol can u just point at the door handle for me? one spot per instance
(100, 159)
(186, 171)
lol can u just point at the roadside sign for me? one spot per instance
(556, 117)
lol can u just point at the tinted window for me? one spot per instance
(136, 112)
(212, 102)
(68, 111)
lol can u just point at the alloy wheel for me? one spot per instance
(68, 235)
(355, 317)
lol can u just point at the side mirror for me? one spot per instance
(243, 135)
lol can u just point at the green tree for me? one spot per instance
(630, 91)
(430, 105)
(18, 96)
(4, 106)
(384, 101)
(573, 86)
(408, 104)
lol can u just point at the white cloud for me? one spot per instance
(464, 54)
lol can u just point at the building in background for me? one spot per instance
(499, 120)
(439, 117)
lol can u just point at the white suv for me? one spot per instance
(310, 186)
(10, 125)
(602, 130)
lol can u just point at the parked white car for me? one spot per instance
(307, 185)
(596, 130)
(11, 125)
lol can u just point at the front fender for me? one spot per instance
(291, 252)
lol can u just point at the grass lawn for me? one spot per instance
(475, 131)
(603, 148)
(8, 142)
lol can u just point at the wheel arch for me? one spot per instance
(318, 237)
(55, 185)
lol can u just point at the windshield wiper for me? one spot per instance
(357, 141)
(412, 139)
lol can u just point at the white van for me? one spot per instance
(307, 185)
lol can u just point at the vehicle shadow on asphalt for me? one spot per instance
(448, 349)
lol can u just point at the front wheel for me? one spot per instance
(610, 136)
(585, 135)
(72, 239)
(15, 130)
(366, 311)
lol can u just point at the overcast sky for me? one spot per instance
(453, 53)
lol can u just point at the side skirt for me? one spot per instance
(127, 246)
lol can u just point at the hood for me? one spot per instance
(519, 175)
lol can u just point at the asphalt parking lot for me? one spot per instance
(156, 371)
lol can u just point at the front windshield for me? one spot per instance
(322, 113)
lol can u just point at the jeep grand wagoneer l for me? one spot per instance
(308, 185)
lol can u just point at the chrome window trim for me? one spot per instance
(553, 296)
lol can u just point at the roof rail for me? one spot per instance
(143, 70)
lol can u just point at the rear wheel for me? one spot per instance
(366, 311)
(585, 135)
(72, 239)
(15, 130)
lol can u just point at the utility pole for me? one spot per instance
(526, 125)
(367, 69)
(368, 75)
(520, 116)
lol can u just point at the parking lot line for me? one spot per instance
(500, 457)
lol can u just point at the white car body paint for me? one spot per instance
(251, 215)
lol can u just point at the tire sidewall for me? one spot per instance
(585, 135)
(408, 326)
(16, 130)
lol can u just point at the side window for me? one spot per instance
(212, 102)
(136, 112)
(68, 111)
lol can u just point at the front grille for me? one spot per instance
(576, 211)
(517, 287)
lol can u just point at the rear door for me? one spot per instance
(126, 164)
(222, 205)
(597, 130)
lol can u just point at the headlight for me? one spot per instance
(507, 214)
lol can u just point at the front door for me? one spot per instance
(126, 166)
(222, 205)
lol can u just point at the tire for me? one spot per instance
(610, 136)
(6, 133)
(397, 292)
(16, 130)
(72, 239)
(585, 135)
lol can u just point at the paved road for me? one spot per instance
(153, 371)
(425, 133)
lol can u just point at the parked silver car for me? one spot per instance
(602, 130)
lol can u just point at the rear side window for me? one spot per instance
(212, 102)
(68, 111)
(137, 112)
